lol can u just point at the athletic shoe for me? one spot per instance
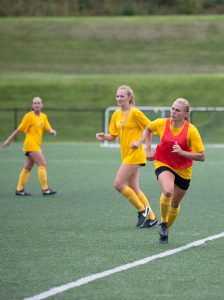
(142, 216)
(48, 192)
(163, 232)
(22, 193)
(149, 223)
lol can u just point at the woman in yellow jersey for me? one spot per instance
(33, 124)
(128, 124)
(180, 144)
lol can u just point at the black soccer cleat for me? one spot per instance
(48, 192)
(163, 232)
(149, 223)
(22, 193)
(143, 216)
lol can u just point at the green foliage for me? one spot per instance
(128, 8)
(108, 7)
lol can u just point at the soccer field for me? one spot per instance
(88, 228)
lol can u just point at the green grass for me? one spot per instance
(79, 63)
(99, 45)
(88, 228)
(98, 91)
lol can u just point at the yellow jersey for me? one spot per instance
(33, 127)
(194, 142)
(129, 126)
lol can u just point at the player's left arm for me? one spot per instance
(195, 143)
(199, 156)
(48, 127)
(52, 131)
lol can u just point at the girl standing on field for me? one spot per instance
(33, 124)
(180, 144)
(128, 124)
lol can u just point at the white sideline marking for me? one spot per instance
(93, 277)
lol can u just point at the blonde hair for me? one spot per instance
(36, 98)
(185, 103)
(130, 93)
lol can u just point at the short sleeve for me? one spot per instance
(47, 125)
(142, 120)
(25, 123)
(113, 126)
(194, 140)
(156, 125)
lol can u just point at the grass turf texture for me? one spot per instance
(88, 228)
(116, 45)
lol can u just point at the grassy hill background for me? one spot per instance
(79, 62)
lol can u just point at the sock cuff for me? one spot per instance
(41, 167)
(165, 200)
(174, 209)
(126, 191)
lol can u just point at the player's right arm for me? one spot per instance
(101, 136)
(10, 138)
(113, 133)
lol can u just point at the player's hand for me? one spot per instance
(53, 132)
(149, 155)
(177, 149)
(5, 143)
(135, 145)
(100, 136)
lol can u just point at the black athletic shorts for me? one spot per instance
(27, 153)
(179, 181)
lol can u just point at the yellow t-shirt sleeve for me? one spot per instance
(25, 123)
(47, 125)
(194, 140)
(113, 126)
(141, 119)
(157, 126)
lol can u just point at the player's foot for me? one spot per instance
(142, 216)
(163, 232)
(48, 192)
(149, 223)
(22, 193)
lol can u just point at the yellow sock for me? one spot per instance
(145, 202)
(42, 175)
(173, 213)
(133, 198)
(23, 177)
(165, 203)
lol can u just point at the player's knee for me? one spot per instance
(41, 165)
(168, 193)
(118, 186)
(28, 168)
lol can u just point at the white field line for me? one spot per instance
(93, 277)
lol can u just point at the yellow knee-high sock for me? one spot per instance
(173, 213)
(42, 175)
(145, 202)
(23, 177)
(133, 198)
(165, 203)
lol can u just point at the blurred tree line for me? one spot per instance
(108, 7)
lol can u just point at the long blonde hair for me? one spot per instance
(130, 93)
(185, 103)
